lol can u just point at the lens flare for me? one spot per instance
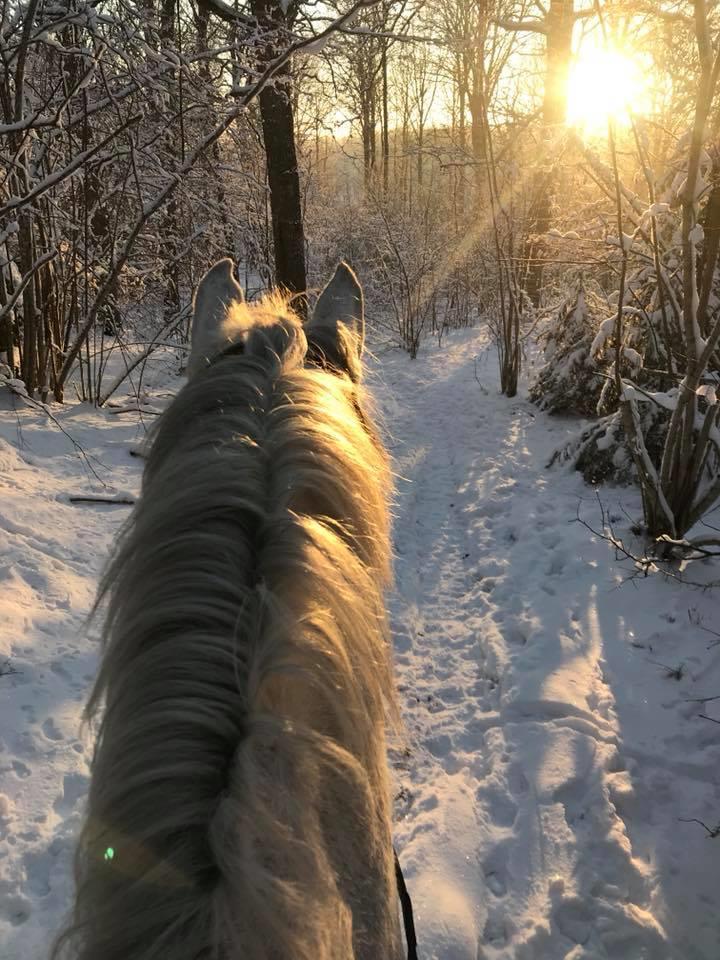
(604, 85)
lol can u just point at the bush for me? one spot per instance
(570, 380)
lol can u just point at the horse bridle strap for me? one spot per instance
(407, 910)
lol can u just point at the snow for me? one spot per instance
(605, 331)
(708, 391)
(553, 739)
(627, 241)
(696, 235)
(632, 356)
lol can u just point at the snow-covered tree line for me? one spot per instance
(137, 144)
(639, 348)
(423, 139)
(111, 148)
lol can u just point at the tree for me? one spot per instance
(556, 24)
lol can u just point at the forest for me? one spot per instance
(551, 171)
(529, 194)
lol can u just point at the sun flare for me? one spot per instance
(605, 85)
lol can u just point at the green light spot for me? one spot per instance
(109, 853)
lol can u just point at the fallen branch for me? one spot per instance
(123, 501)
(149, 413)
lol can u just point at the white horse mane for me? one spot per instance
(239, 804)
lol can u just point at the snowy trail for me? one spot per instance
(514, 793)
(549, 756)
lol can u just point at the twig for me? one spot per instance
(475, 374)
(645, 565)
(41, 406)
(698, 548)
(117, 500)
(673, 673)
(7, 669)
(712, 833)
(145, 413)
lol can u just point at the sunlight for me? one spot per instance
(603, 85)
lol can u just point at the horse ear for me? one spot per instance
(217, 290)
(341, 302)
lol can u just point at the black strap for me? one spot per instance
(407, 910)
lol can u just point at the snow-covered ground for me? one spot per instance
(554, 740)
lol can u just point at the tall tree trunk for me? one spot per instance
(26, 249)
(278, 127)
(170, 226)
(284, 182)
(7, 333)
(559, 23)
(202, 26)
(385, 121)
(367, 123)
(477, 137)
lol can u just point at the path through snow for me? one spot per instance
(549, 756)
(549, 759)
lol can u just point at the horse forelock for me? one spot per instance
(271, 323)
(246, 675)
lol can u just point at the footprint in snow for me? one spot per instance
(501, 808)
(29, 710)
(495, 933)
(574, 920)
(21, 769)
(495, 871)
(516, 780)
(74, 787)
(37, 866)
(14, 909)
(49, 728)
(556, 565)
(515, 635)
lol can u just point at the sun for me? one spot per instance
(604, 84)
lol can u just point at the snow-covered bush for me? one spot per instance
(659, 348)
(601, 453)
(571, 380)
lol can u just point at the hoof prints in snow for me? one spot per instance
(524, 701)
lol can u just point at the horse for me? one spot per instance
(239, 801)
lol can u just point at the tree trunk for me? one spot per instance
(559, 23)
(29, 368)
(385, 121)
(284, 182)
(202, 26)
(278, 126)
(367, 123)
(170, 224)
(477, 143)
